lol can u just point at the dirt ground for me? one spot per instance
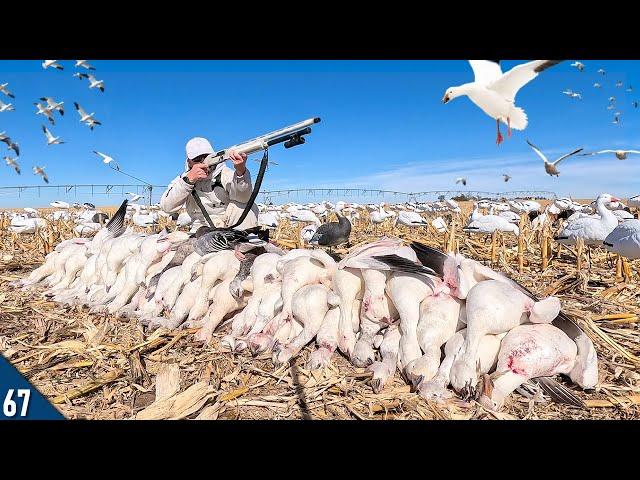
(99, 367)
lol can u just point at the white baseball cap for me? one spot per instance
(198, 146)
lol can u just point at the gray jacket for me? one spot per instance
(222, 202)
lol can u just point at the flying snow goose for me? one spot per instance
(578, 65)
(107, 159)
(568, 92)
(619, 84)
(11, 162)
(10, 143)
(47, 112)
(5, 90)
(134, 197)
(6, 107)
(593, 230)
(53, 105)
(52, 63)
(461, 180)
(596, 85)
(83, 64)
(40, 171)
(51, 140)
(601, 71)
(620, 154)
(86, 117)
(93, 82)
(506, 177)
(550, 167)
(495, 92)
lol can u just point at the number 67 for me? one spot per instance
(9, 407)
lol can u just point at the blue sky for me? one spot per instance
(383, 124)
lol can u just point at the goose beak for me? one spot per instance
(445, 99)
(614, 199)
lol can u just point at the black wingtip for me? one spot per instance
(559, 393)
(547, 64)
(401, 264)
(116, 224)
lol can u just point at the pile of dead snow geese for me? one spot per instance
(383, 306)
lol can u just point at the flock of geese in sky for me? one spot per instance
(47, 107)
(492, 90)
(494, 93)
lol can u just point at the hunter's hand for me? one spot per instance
(239, 162)
(198, 172)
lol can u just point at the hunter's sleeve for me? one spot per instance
(239, 188)
(175, 196)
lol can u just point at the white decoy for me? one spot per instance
(304, 216)
(52, 63)
(6, 107)
(461, 180)
(379, 215)
(512, 217)
(268, 219)
(5, 90)
(60, 204)
(83, 64)
(490, 223)
(495, 92)
(42, 110)
(550, 167)
(51, 140)
(439, 224)
(307, 233)
(593, 230)
(143, 220)
(107, 159)
(31, 212)
(93, 82)
(11, 162)
(625, 239)
(26, 225)
(410, 219)
(53, 105)
(578, 65)
(620, 154)
(40, 171)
